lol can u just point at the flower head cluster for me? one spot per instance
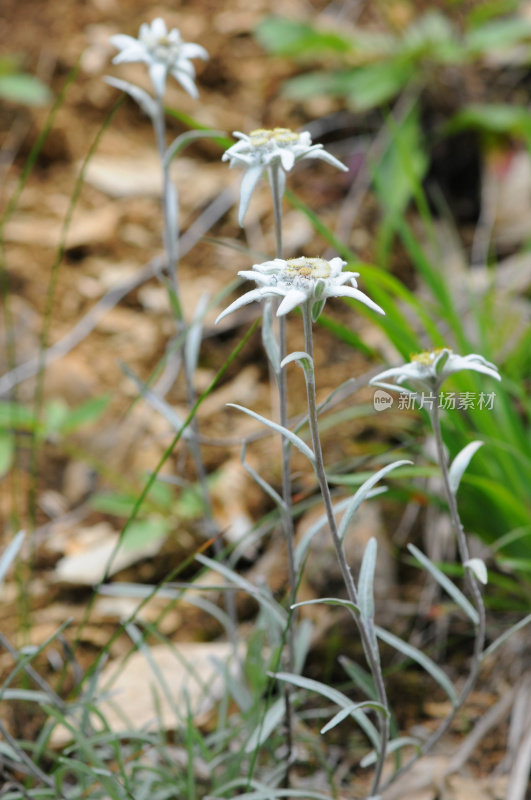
(298, 281)
(164, 52)
(427, 371)
(279, 148)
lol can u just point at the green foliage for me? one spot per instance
(386, 64)
(59, 421)
(160, 498)
(494, 497)
(7, 452)
(493, 118)
(403, 166)
(162, 511)
(363, 87)
(489, 507)
(286, 37)
(100, 761)
(18, 87)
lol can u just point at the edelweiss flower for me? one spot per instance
(427, 371)
(164, 52)
(299, 280)
(262, 149)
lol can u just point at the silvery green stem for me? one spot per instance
(170, 239)
(348, 580)
(462, 545)
(286, 465)
(464, 554)
(283, 402)
(287, 519)
(274, 182)
(170, 246)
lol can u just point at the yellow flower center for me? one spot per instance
(265, 136)
(308, 268)
(428, 357)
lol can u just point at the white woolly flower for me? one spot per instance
(299, 280)
(263, 149)
(427, 371)
(164, 52)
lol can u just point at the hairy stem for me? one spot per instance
(170, 233)
(274, 182)
(479, 641)
(283, 402)
(171, 247)
(464, 554)
(287, 519)
(352, 593)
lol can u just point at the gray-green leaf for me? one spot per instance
(446, 584)
(270, 722)
(421, 658)
(336, 697)
(293, 438)
(10, 553)
(366, 580)
(363, 492)
(143, 98)
(460, 463)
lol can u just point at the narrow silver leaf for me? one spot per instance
(506, 635)
(366, 580)
(269, 339)
(348, 711)
(293, 438)
(478, 568)
(363, 492)
(266, 602)
(264, 485)
(421, 658)
(194, 335)
(392, 747)
(330, 601)
(184, 139)
(336, 697)
(270, 722)
(301, 358)
(10, 553)
(444, 581)
(144, 100)
(460, 463)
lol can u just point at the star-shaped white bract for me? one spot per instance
(299, 280)
(427, 371)
(164, 52)
(262, 149)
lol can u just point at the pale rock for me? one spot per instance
(193, 674)
(88, 566)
